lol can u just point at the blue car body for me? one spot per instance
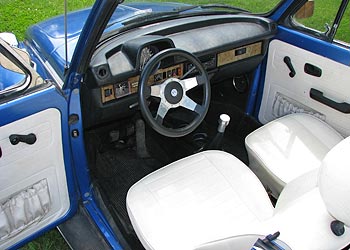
(47, 38)
(45, 43)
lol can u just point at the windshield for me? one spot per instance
(134, 13)
(253, 6)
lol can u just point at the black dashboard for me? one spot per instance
(227, 45)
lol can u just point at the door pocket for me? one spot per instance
(23, 209)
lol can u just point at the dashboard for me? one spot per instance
(116, 91)
(227, 45)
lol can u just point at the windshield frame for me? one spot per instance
(149, 17)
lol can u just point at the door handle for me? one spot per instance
(317, 95)
(288, 61)
(29, 139)
(312, 70)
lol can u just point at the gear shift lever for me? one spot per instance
(224, 120)
(216, 143)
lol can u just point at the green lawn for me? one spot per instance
(17, 15)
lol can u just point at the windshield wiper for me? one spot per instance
(223, 6)
(146, 17)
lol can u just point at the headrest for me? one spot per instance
(334, 181)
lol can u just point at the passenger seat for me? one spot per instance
(288, 147)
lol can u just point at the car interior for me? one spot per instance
(173, 102)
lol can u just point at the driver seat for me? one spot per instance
(212, 195)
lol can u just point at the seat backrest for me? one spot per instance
(313, 210)
(334, 181)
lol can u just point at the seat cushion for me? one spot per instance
(198, 199)
(288, 147)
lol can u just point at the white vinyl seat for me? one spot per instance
(288, 147)
(212, 196)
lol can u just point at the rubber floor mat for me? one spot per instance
(117, 171)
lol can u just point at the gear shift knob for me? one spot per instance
(224, 120)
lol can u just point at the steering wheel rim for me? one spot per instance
(172, 93)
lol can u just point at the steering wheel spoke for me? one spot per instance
(190, 83)
(156, 90)
(189, 104)
(161, 113)
(193, 82)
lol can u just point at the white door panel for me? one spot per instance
(284, 94)
(33, 183)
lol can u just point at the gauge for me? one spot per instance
(146, 54)
(121, 89)
(158, 77)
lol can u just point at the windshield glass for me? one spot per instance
(253, 6)
(133, 13)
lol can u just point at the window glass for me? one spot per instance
(320, 15)
(16, 74)
(343, 33)
(11, 76)
(323, 15)
(255, 6)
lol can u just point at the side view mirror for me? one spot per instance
(306, 11)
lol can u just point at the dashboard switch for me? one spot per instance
(108, 92)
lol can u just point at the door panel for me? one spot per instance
(318, 87)
(37, 189)
(33, 186)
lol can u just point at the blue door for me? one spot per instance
(36, 182)
(307, 68)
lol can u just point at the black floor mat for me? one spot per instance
(117, 171)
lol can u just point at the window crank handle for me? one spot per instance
(29, 139)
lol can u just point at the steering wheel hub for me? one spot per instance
(173, 91)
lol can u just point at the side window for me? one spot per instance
(327, 19)
(343, 33)
(11, 76)
(16, 74)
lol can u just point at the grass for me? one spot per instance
(51, 240)
(325, 11)
(17, 15)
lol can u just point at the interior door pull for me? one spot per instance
(29, 139)
(312, 70)
(288, 61)
(318, 96)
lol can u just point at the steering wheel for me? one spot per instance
(172, 93)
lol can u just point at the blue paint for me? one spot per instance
(281, 9)
(98, 217)
(315, 45)
(260, 89)
(47, 40)
(47, 37)
(253, 91)
(78, 146)
(9, 78)
(82, 172)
